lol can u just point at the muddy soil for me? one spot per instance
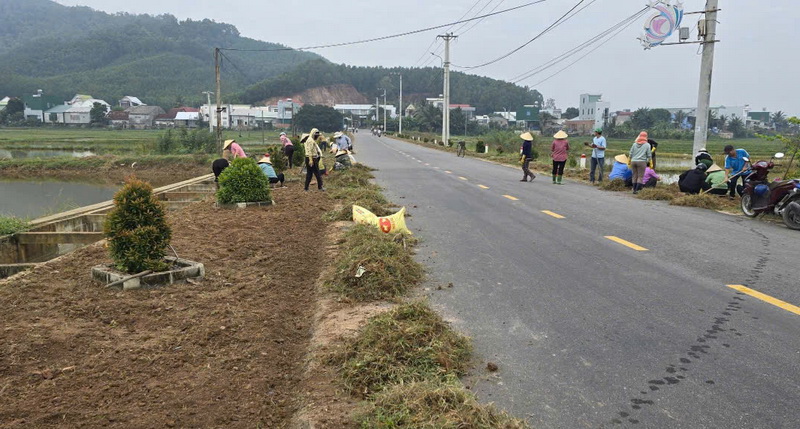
(227, 352)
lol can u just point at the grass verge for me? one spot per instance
(410, 343)
(354, 187)
(12, 225)
(666, 193)
(615, 185)
(374, 266)
(434, 405)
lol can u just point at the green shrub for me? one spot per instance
(243, 182)
(407, 344)
(137, 229)
(425, 140)
(480, 147)
(278, 158)
(12, 225)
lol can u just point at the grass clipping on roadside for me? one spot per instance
(658, 194)
(374, 266)
(354, 187)
(614, 185)
(704, 201)
(409, 343)
(434, 405)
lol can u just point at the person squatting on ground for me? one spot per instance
(598, 155)
(715, 179)
(342, 158)
(288, 148)
(735, 161)
(526, 156)
(640, 156)
(265, 163)
(621, 171)
(693, 181)
(343, 141)
(651, 178)
(559, 151)
(236, 150)
(703, 157)
(313, 156)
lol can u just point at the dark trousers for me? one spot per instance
(289, 152)
(558, 168)
(313, 170)
(651, 183)
(217, 166)
(718, 191)
(526, 170)
(732, 185)
(597, 162)
(280, 179)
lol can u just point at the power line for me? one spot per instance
(393, 36)
(585, 55)
(478, 22)
(555, 24)
(437, 39)
(566, 55)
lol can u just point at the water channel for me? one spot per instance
(33, 199)
(43, 153)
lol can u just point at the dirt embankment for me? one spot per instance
(111, 170)
(326, 95)
(227, 352)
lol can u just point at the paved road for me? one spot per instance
(587, 331)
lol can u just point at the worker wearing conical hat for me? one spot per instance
(313, 156)
(234, 148)
(526, 156)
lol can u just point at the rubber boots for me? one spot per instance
(560, 177)
(554, 179)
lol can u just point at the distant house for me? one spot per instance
(187, 119)
(57, 115)
(592, 107)
(167, 120)
(4, 102)
(37, 104)
(80, 108)
(580, 126)
(143, 117)
(128, 101)
(118, 119)
(622, 117)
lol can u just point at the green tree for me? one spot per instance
(642, 119)
(779, 120)
(14, 106)
(736, 126)
(430, 118)
(98, 113)
(680, 116)
(661, 116)
(324, 118)
(570, 113)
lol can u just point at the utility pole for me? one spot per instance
(384, 110)
(400, 128)
(377, 110)
(446, 107)
(219, 98)
(706, 68)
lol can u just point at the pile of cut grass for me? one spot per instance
(657, 194)
(703, 201)
(410, 343)
(354, 186)
(12, 225)
(388, 268)
(434, 405)
(615, 185)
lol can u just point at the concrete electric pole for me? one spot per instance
(210, 122)
(709, 25)
(219, 98)
(400, 127)
(446, 106)
(384, 110)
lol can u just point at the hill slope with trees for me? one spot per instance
(66, 50)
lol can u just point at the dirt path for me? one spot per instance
(227, 352)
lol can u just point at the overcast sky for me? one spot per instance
(753, 62)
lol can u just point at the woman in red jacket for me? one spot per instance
(559, 151)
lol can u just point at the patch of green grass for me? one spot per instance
(102, 162)
(389, 271)
(12, 225)
(410, 343)
(434, 405)
(704, 201)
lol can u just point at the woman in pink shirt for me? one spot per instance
(235, 149)
(288, 148)
(651, 178)
(559, 152)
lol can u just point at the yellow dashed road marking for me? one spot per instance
(511, 198)
(448, 172)
(626, 243)
(766, 298)
(462, 178)
(483, 187)
(555, 215)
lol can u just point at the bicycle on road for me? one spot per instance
(462, 149)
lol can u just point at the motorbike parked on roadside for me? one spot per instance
(759, 195)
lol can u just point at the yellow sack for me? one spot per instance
(395, 223)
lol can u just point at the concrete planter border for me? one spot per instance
(245, 205)
(185, 269)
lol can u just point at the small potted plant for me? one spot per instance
(138, 236)
(243, 184)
